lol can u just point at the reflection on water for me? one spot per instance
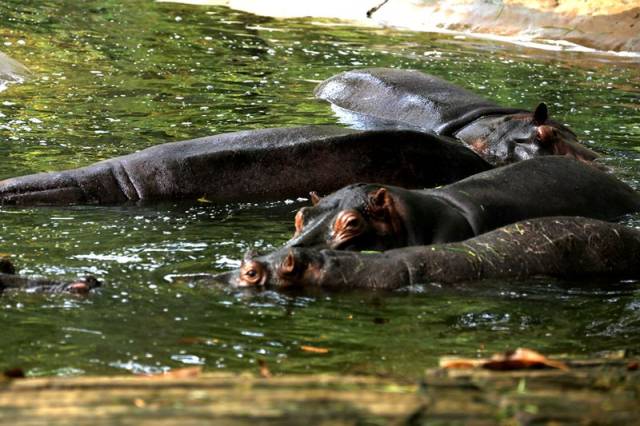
(113, 77)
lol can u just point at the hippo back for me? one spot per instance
(255, 165)
(403, 97)
(543, 186)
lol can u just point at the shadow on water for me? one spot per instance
(112, 77)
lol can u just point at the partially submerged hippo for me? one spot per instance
(254, 165)
(385, 97)
(381, 217)
(11, 71)
(10, 281)
(566, 247)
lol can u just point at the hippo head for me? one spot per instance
(516, 137)
(275, 270)
(357, 217)
(297, 267)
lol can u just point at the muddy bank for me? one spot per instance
(590, 392)
(609, 25)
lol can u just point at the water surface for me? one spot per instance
(113, 77)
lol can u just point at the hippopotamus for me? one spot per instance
(10, 281)
(11, 71)
(255, 165)
(382, 217)
(385, 97)
(564, 247)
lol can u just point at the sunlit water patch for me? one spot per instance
(114, 77)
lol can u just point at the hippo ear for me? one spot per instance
(381, 203)
(541, 114)
(315, 198)
(379, 197)
(288, 264)
(545, 136)
(289, 268)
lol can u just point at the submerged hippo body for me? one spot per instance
(382, 217)
(11, 71)
(253, 165)
(385, 97)
(566, 247)
(11, 282)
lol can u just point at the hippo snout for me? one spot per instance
(83, 285)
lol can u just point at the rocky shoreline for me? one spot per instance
(604, 25)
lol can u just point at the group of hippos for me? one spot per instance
(511, 193)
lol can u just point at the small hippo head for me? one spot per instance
(357, 217)
(275, 270)
(290, 268)
(81, 286)
(516, 137)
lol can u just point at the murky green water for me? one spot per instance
(112, 77)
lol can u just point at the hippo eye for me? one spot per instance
(251, 273)
(352, 223)
(348, 225)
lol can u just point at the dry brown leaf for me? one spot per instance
(521, 358)
(460, 363)
(14, 373)
(180, 373)
(264, 369)
(314, 349)
(139, 402)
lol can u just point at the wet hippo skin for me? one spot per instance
(254, 165)
(392, 98)
(11, 282)
(382, 217)
(566, 247)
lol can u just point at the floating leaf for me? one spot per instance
(14, 373)
(264, 369)
(139, 402)
(314, 349)
(521, 358)
(180, 373)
